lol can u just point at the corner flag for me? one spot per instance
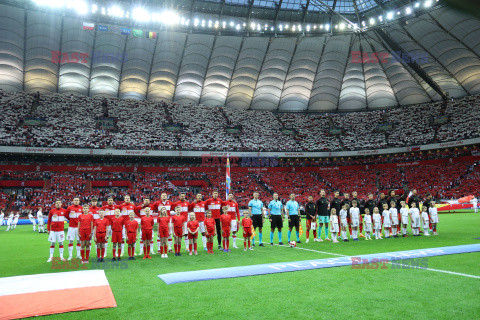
(227, 179)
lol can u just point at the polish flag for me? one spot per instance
(50, 293)
(88, 26)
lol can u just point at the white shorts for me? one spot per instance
(415, 222)
(394, 220)
(405, 219)
(33, 221)
(72, 234)
(378, 226)
(355, 222)
(56, 236)
(15, 221)
(201, 227)
(368, 227)
(434, 218)
(233, 226)
(387, 224)
(1, 222)
(9, 222)
(426, 223)
(334, 227)
(344, 222)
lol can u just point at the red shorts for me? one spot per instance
(309, 223)
(101, 237)
(163, 232)
(192, 235)
(247, 233)
(226, 232)
(131, 237)
(178, 232)
(147, 235)
(210, 232)
(117, 237)
(85, 234)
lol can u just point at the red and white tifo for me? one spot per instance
(49, 293)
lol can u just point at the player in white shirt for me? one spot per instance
(2, 218)
(355, 219)
(474, 202)
(433, 217)
(334, 229)
(9, 221)
(387, 220)
(41, 221)
(377, 223)
(405, 215)
(415, 217)
(32, 220)
(426, 221)
(368, 224)
(15, 220)
(343, 222)
(394, 214)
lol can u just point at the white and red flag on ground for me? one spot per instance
(227, 179)
(50, 293)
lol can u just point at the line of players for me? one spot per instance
(391, 220)
(12, 221)
(178, 227)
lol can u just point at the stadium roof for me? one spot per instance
(431, 55)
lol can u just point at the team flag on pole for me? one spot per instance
(227, 179)
(88, 26)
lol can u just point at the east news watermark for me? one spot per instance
(95, 56)
(412, 263)
(389, 57)
(76, 264)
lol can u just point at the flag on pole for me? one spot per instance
(88, 26)
(227, 179)
(137, 33)
(150, 35)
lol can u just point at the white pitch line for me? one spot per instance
(393, 263)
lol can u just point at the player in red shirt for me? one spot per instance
(109, 209)
(55, 226)
(209, 230)
(235, 215)
(117, 234)
(168, 206)
(192, 227)
(183, 204)
(126, 208)
(198, 207)
(214, 204)
(85, 227)
(147, 224)
(72, 214)
(177, 222)
(247, 230)
(225, 222)
(93, 209)
(100, 229)
(154, 215)
(163, 231)
(131, 227)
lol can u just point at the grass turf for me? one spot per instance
(332, 292)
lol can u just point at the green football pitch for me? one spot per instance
(337, 293)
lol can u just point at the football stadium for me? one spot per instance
(239, 159)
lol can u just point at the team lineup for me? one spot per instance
(126, 223)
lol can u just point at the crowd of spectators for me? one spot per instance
(62, 120)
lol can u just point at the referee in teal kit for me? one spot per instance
(275, 214)
(255, 207)
(292, 208)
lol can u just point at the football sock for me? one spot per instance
(122, 247)
(308, 234)
(148, 250)
(98, 252)
(87, 255)
(190, 247)
(245, 244)
(82, 252)
(227, 243)
(326, 232)
(314, 234)
(102, 252)
(249, 243)
(279, 236)
(253, 239)
(298, 235)
(70, 249)
(271, 236)
(435, 229)
(195, 247)
(186, 242)
(114, 251)
(350, 229)
(234, 239)
(204, 241)
(260, 237)
(169, 243)
(289, 234)
(165, 249)
(52, 248)
(141, 246)
(60, 248)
